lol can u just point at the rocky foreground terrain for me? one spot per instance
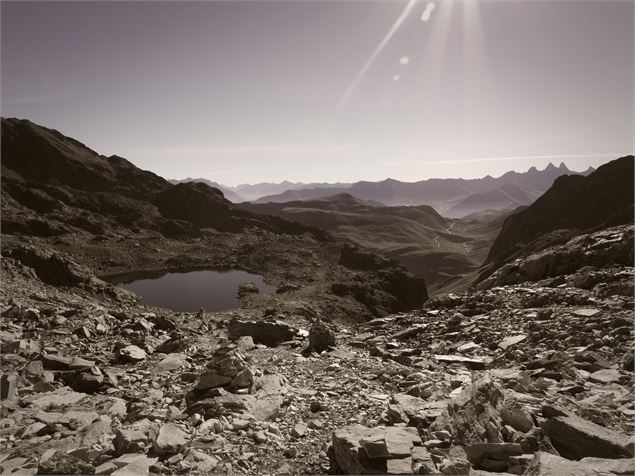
(529, 378)
(348, 368)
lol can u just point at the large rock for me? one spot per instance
(63, 463)
(474, 413)
(132, 353)
(87, 381)
(516, 416)
(133, 465)
(576, 438)
(492, 456)
(321, 338)
(404, 408)
(170, 440)
(605, 376)
(263, 404)
(357, 449)
(54, 268)
(269, 333)
(228, 368)
(9, 387)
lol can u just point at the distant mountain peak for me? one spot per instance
(550, 166)
(563, 167)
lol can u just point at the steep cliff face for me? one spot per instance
(603, 198)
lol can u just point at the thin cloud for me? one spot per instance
(279, 149)
(497, 159)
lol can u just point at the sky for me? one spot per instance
(327, 91)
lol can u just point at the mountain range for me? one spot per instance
(453, 198)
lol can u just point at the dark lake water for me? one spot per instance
(190, 291)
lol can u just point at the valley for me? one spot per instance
(441, 250)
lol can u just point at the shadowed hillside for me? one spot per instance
(603, 198)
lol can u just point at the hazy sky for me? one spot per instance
(251, 91)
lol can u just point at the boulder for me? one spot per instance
(475, 413)
(404, 408)
(357, 449)
(321, 338)
(133, 465)
(492, 456)
(270, 333)
(516, 416)
(170, 440)
(9, 387)
(132, 353)
(53, 268)
(228, 367)
(605, 376)
(576, 438)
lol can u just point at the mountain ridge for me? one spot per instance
(442, 194)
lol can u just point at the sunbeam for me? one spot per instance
(358, 78)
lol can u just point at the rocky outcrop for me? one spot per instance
(53, 268)
(383, 450)
(267, 332)
(610, 246)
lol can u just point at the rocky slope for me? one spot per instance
(533, 378)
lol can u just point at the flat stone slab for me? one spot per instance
(590, 312)
(60, 398)
(576, 438)
(511, 340)
(470, 362)
(547, 464)
(605, 376)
